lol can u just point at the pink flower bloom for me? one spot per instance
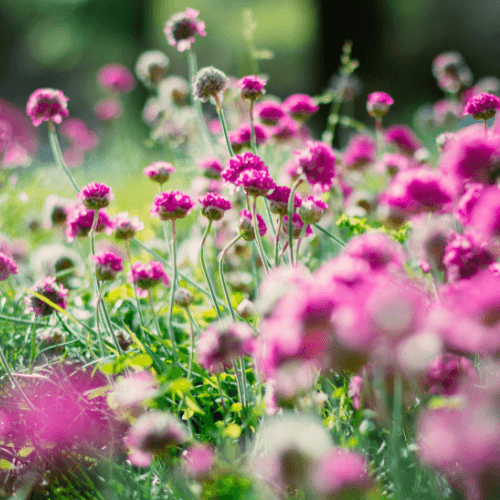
(116, 78)
(51, 291)
(80, 220)
(149, 275)
(269, 112)
(355, 391)
(285, 130)
(7, 267)
(300, 106)
(312, 210)
(221, 343)
(159, 171)
(485, 217)
(360, 151)
(182, 27)
(245, 225)
(108, 109)
(241, 163)
(198, 461)
(242, 136)
(47, 105)
(297, 225)
(255, 182)
(317, 163)
(446, 372)
(378, 104)
(403, 138)
(252, 87)
(212, 167)
(345, 270)
(171, 205)
(278, 200)
(151, 67)
(214, 206)
(78, 133)
(107, 265)
(125, 227)
(467, 202)
(451, 72)
(95, 195)
(130, 391)
(482, 106)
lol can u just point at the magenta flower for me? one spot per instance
(79, 222)
(317, 163)
(149, 275)
(269, 112)
(482, 106)
(125, 227)
(297, 225)
(159, 171)
(198, 461)
(286, 130)
(278, 200)
(467, 202)
(255, 182)
(403, 138)
(300, 106)
(7, 267)
(252, 87)
(212, 167)
(51, 291)
(446, 372)
(78, 133)
(107, 265)
(485, 216)
(47, 105)
(378, 104)
(108, 109)
(95, 195)
(214, 206)
(241, 163)
(130, 391)
(116, 78)
(221, 343)
(312, 210)
(171, 205)
(182, 27)
(245, 225)
(355, 391)
(241, 137)
(360, 151)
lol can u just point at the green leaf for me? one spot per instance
(142, 360)
(236, 407)
(232, 431)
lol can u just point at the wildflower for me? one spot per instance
(300, 106)
(240, 163)
(125, 227)
(269, 112)
(241, 137)
(378, 104)
(208, 82)
(149, 275)
(255, 182)
(278, 200)
(297, 225)
(108, 109)
(159, 171)
(245, 225)
(198, 461)
(451, 72)
(51, 291)
(360, 152)
(183, 297)
(285, 130)
(403, 138)
(214, 206)
(446, 372)
(95, 196)
(130, 391)
(107, 265)
(116, 78)
(47, 105)
(152, 433)
(7, 267)
(221, 343)
(174, 89)
(482, 106)
(182, 27)
(80, 220)
(312, 210)
(77, 132)
(485, 216)
(171, 205)
(317, 163)
(151, 67)
(467, 202)
(252, 87)
(212, 167)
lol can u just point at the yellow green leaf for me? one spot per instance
(232, 431)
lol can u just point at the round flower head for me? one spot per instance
(255, 182)
(116, 78)
(240, 163)
(159, 171)
(125, 227)
(360, 151)
(151, 67)
(95, 196)
(467, 202)
(482, 106)
(214, 206)
(183, 297)
(445, 373)
(300, 106)
(212, 167)
(47, 105)
(208, 82)
(181, 28)
(245, 225)
(80, 220)
(403, 138)
(252, 87)
(278, 200)
(297, 225)
(7, 267)
(198, 461)
(241, 137)
(107, 265)
(378, 104)
(108, 109)
(285, 130)
(451, 72)
(149, 275)
(171, 205)
(312, 210)
(269, 112)
(317, 163)
(51, 291)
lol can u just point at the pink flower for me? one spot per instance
(467, 202)
(78, 133)
(245, 225)
(446, 372)
(80, 220)
(47, 105)
(378, 104)
(214, 206)
(269, 112)
(131, 390)
(241, 163)
(182, 27)
(116, 78)
(402, 137)
(252, 87)
(107, 265)
(95, 195)
(159, 171)
(242, 136)
(51, 291)
(312, 210)
(482, 106)
(212, 167)
(7, 267)
(198, 461)
(317, 163)
(171, 205)
(297, 225)
(285, 130)
(125, 227)
(278, 199)
(149, 275)
(255, 182)
(221, 343)
(485, 216)
(300, 106)
(108, 109)
(360, 151)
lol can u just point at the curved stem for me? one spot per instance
(92, 231)
(172, 293)
(222, 119)
(191, 334)
(129, 256)
(220, 258)
(99, 297)
(258, 240)
(252, 128)
(299, 241)
(290, 210)
(330, 235)
(205, 272)
(276, 245)
(157, 325)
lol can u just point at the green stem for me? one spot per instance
(330, 235)
(329, 133)
(380, 136)
(97, 323)
(56, 151)
(157, 325)
(220, 258)
(32, 350)
(244, 382)
(276, 244)
(290, 210)
(191, 353)
(252, 128)
(92, 231)
(108, 320)
(222, 119)
(258, 240)
(221, 393)
(396, 430)
(172, 293)
(138, 302)
(205, 272)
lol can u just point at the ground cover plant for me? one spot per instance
(297, 322)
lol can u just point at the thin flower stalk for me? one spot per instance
(205, 272)
(330, 235)
(222, 118)
(172, 293)
(291, 199)
(138, 302)
(151, 304)
(276, 244)
(220, 258)
(258, 240)
(252, 128)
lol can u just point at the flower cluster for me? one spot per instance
(214, 206)
(159, 171)
(47, 288)
(182, 27)
(107, 265)
(47, 105)
(95, 196)
(149, 275)
(171, 205)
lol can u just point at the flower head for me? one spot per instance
(95, 195)
(240, 163)
(317, 162)
(159, 171)
(241, 137)
(312, 210)
(125, 227)
(378, 104)
(108, 109)
(79, 223)
(208, 82)
(278, 200)
(151, 67)
(445, 373)
(403, 138)
(47, 105)
(451, 72)
(245, 225)
(255, 182)
(107, 265)
(198, 461)
(149, 275)
(182, 27)
(171, 205)
(297, 225)
(300, 106)
(51, 291)
(482, 106)
(214, 206)
(360, 151)
(7, 267)
(252, 87)
(212, 167)
(269, 112)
